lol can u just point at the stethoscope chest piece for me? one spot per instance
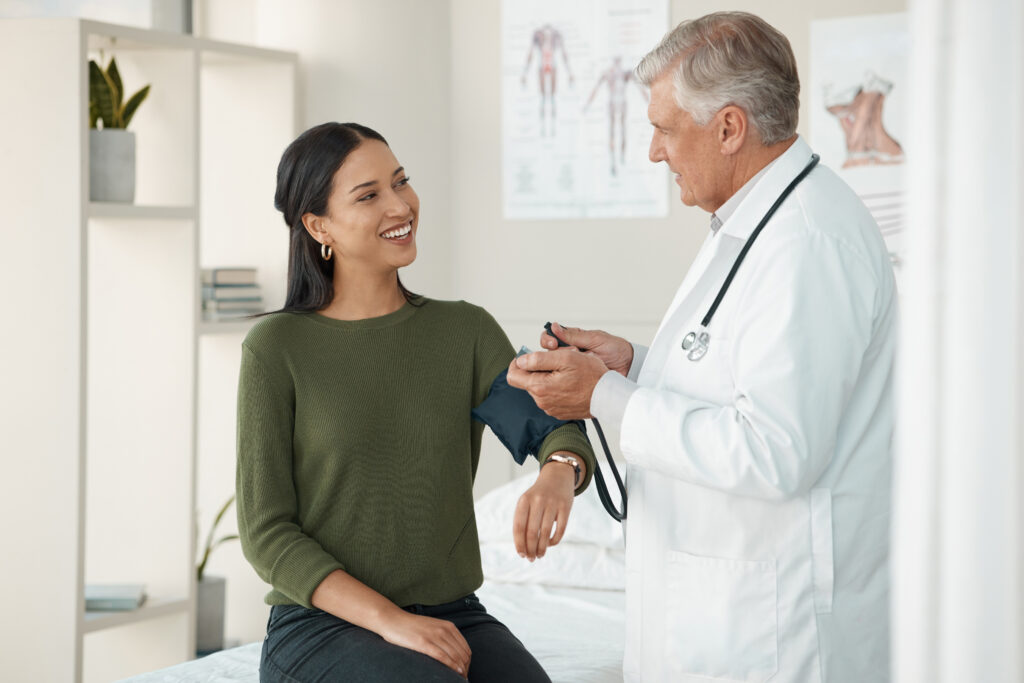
(696, 345)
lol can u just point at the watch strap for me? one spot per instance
(577, 472)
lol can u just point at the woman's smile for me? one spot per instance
(401, 234)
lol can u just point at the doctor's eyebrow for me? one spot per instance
(371, 183)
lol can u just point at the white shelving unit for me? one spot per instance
(103, 335)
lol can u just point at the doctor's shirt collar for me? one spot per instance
(725, 211)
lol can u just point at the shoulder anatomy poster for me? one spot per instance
(575, 132)
(858, 100)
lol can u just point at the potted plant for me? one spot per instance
(210, 592)
(111, 147)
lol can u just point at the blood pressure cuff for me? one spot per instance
(516, 420)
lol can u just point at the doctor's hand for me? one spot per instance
(543, 505)
(615, 352)
(560, 382)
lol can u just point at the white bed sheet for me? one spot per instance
(577, 635)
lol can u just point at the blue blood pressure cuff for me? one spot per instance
(516, 420)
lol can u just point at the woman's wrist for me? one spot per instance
(570, 464)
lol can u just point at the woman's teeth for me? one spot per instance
(398, 233)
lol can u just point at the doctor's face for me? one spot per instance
(691, 152)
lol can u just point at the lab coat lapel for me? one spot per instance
(720, 251)
(696, 270)
(692, 300)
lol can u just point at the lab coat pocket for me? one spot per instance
(721, 619)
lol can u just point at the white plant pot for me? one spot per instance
(210, 614)
(111, 165)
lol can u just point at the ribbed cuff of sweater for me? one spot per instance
(570, 438)
(299, 570)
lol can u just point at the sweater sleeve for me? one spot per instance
(494, 352)
(268, 525)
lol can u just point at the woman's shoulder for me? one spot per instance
(272, 330)
(459, 310)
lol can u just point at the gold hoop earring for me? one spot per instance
(326, 252)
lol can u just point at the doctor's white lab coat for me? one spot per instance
(759, 476)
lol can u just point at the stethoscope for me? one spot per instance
(602, 487)
(696, 343)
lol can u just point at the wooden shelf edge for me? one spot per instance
(152, 609)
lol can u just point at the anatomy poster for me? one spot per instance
(859, 102)
(575, 132)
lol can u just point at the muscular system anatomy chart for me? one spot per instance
(574, 119)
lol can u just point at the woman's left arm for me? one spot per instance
(545, 506)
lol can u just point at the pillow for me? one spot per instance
(591, 554)
(564, 565)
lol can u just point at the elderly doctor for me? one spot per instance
(757, 437)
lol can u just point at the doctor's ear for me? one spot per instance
(732, 128)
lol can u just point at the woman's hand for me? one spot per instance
(344, 596)
(435, 638)
(616, 352)
(544, 504)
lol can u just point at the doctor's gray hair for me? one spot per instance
(730, 58)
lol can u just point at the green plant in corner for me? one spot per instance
(210, 543)
(106, 97)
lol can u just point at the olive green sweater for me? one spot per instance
(356, 449)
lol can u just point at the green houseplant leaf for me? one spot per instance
(132, 105)
(210, 543)
(106, 97)
(101, 94)
(118, 94)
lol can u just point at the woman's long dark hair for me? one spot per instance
(305, 178)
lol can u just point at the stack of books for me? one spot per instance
(230, 293)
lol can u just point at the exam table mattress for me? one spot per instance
(577, 634)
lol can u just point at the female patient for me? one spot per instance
(356, 449)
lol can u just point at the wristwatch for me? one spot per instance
(555, 457)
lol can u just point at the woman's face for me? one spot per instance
(372, 213)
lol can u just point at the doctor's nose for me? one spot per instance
(656, 152)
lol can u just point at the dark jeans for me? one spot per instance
(312, 646)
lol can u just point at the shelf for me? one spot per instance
(215, 51)
(143, 212)
(225, 326)
(106, 36)
(152, 609)
(109, 391)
